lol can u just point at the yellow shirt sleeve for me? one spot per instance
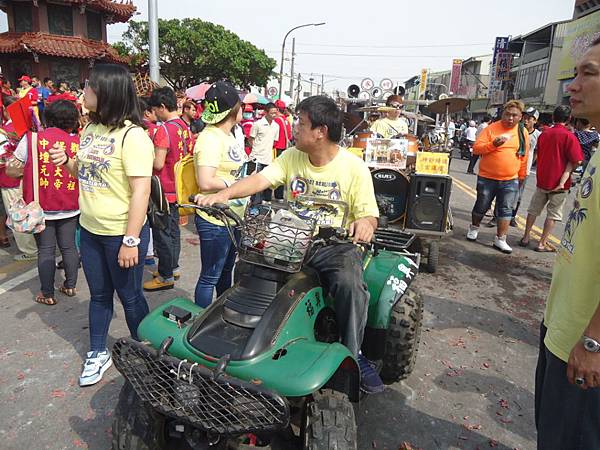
(138, 153)
(208, 150)
(362, 194)
(277, 171)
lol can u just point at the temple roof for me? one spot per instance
(55, 45)
(120, 11)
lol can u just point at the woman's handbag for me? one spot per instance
(28, 218)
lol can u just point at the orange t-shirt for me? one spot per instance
(501, 163)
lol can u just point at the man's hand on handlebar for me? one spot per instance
(211, 199)
(362, 230)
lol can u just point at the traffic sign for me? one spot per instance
(364, 95)
(367, 84)
(272, 91)
(386, 84)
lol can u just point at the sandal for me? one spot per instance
(522, 243)
(45, 300)
(545, 249)
(69, 292)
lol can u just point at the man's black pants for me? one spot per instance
(566, 416)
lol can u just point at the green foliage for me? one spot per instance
(192, 51)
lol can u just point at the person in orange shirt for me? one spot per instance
(503, 147)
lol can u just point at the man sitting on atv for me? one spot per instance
(319, 167)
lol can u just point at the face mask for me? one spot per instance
(247, 115)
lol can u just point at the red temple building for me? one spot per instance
(60, 39)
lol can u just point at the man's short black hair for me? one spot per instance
(143, 101)
(47, 79)
(62, 114)
(323, 111)
(269, 106)
(163, 96)
(487, 118)
(561, 114)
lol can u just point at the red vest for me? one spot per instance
(59, 191)
(180, 142)
(10, 147)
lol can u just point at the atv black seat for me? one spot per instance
(245, 305)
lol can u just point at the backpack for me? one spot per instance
(185, 183)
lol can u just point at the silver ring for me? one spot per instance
(579, 381)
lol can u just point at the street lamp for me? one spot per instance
(283, 50)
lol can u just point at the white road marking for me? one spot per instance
(14, 282)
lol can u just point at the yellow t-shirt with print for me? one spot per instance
(575, 290)
(215, 148)
(346, 178)
(387, 127)
(104, 170)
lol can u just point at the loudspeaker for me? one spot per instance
(428, 202)
(353, 91)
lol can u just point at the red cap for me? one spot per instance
(25, 78)
(248, 108)
(280, 104)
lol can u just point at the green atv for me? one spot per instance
(266, 354)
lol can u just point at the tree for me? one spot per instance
(192, 51)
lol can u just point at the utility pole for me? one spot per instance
(298, 90)
(153, 40)
(322, 84)
(292, 69)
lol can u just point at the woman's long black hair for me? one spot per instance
(117, 100)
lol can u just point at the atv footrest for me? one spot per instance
(195, 394)
(392, 239)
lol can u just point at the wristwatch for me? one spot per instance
(130, 241)
(591, 345)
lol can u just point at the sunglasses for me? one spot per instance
(396, 105)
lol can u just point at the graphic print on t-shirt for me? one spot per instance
(316, 188)
(92, 163)
(579, 214)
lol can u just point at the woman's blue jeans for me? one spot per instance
(99, 257)
(217, 255)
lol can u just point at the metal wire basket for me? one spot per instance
(274, 236)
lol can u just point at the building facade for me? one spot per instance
(58, 39)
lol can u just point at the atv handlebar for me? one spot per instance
(219, 211)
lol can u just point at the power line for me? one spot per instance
(396, 46)
(368, 55)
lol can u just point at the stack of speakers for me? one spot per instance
(428, 202)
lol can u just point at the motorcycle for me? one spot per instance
(267, 352)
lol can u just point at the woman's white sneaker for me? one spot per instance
(500, 244)
(472, 233)
(94, 367)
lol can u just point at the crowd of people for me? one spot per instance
(93, 179)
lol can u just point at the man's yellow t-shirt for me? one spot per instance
(104, 170)
(215, 148)
(346, 178)
(575, 291)
(387, 127)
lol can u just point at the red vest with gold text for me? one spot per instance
(59, 191)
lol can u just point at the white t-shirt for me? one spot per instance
(482, 126)
(264, 135)
(471, 134)
(533, 140)
(451, 130)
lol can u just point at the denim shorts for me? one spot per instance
(506, 193)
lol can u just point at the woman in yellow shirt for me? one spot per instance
(113, 165)
(217, 157)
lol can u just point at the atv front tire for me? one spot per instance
(403, 336)
(328, 422)
(136, 426)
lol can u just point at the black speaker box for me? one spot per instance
(428, 202)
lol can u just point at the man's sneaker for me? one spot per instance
(25, 257)
(370, 381)
(158, 284)
(176, 275)
(472, 233)
(94, 367)
(500, 244)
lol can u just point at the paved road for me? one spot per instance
(472, 386)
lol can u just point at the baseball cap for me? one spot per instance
(280, 104)
(531, 111)
(248, 108)
(25, 78)
(219, 99)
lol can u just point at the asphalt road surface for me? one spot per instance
(472, 387)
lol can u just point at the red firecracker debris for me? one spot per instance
(21, 376)
(486, 365)
(58, 393)
(493, 443)
(503, 403)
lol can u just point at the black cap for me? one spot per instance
(218, 101)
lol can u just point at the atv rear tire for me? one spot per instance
(136, 425)
(403, 336)
(328, 422)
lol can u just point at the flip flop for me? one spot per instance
(522, 243)
(69, 292)
(45, 300)
(545, 249)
